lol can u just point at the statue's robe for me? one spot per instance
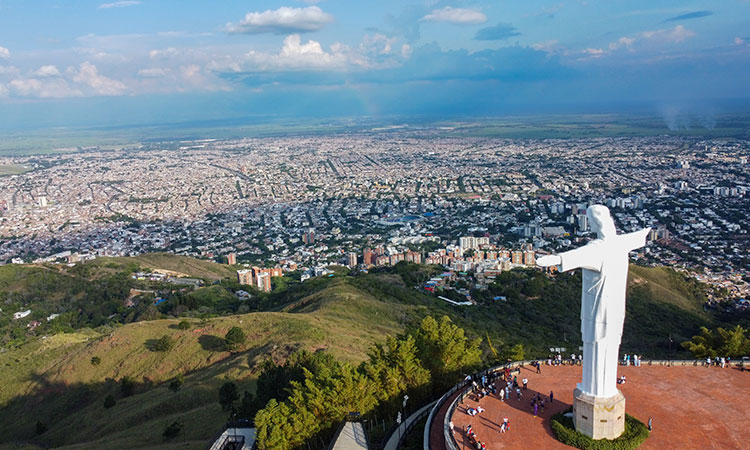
(605, 275)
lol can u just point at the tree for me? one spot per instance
(709, 343)
(109, 401)
(234, 338)
(445, 350)
(95, 360)
(395, 368)
(40, 427)
(228, 395)
(164, 344)
(176, 383)
(517, 353)
(183, 325)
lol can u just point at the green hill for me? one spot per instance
(52, 379)
(59, 385)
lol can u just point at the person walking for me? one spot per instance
(518, 393)
(525, 383)
(551, 396)
(536, 409)
(650, 423)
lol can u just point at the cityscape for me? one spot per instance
(316, 201)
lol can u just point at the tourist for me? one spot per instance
(541, 405)
(480, 409)
(518, 393)
(708, 361)
(650, 423)
(525, 383)
(723, 362)
(536, 409)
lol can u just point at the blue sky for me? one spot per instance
(79, 62)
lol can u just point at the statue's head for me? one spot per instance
(601, 221)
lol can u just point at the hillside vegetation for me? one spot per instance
(59, 386)
(53, 378)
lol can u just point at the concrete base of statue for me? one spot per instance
(599, 418)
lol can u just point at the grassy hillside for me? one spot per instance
(177, 265)
(52, 379)
(61, 387)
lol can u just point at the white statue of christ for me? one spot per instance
(605, 274)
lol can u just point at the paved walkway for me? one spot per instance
(692, 408)
(437, 441)
(352, 437)
(392, 443)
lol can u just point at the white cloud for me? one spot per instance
(406, 51)
(4, 53)
(594, 52)
(3, 91)
(88, 75)
(47, 71)
(42, 88)
(282, 21)
(459, 16)
(624, 41)
(163, 54)
(120, 4)
(152, 73)
(671, 35)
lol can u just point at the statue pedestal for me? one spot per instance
(599, 418)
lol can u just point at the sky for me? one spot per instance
(98, 63)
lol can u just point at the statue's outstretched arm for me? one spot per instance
(637, 239)
(586, 257)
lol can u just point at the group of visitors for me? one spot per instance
(537, 403)
(473, 439)
(718, 361)
(557, 360)
(626, 359)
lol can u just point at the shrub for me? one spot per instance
(164, 344)
(95, 360)
(228, 395)
(633, 436)
(40, 427)
(183, 325)
(109, 401)
(234, 338)
(177, 383)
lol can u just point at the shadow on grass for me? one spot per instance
(212, 343)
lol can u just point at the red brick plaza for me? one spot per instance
(692, 408)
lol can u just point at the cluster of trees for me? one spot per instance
(312, 394)
(733, 343)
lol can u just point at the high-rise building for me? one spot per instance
(232, 259)
(529, 258)
(368, 257)
(263, 282)
(517, 257)
(245, 276)
(352, 259)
